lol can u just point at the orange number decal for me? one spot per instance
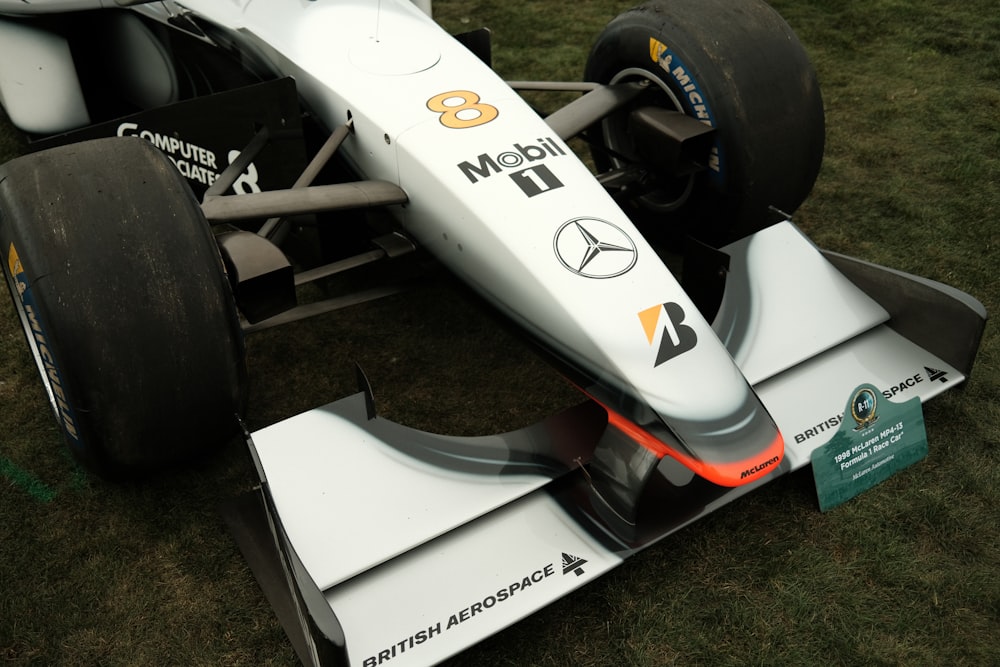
(461, 109)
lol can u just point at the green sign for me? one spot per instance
(876, 438)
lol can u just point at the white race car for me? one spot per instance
(157, 224)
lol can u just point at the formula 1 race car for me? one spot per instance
(197, 165)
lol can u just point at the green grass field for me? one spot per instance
(906, 574)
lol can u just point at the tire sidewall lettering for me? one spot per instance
(692, 97)
(32, 320)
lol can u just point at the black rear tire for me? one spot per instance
(122, 295)
(736, 65)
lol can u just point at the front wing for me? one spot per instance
(381, 544)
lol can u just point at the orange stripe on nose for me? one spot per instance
(730, 473)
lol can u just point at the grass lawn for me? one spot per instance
(908, 573)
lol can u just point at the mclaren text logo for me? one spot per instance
(666, 322)
(760, 467)
(594, 248)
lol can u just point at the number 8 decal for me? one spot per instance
(461, 109)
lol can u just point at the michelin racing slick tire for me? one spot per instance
(121, 293)
(738, 67)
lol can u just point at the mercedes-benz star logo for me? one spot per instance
(594, 248)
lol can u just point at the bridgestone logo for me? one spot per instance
(749, 472)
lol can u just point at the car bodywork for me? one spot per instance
(687, 409)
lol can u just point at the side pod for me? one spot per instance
(39, 87)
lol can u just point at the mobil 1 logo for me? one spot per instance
(535, 180)
(525, 165)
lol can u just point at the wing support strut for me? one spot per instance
(262, 278)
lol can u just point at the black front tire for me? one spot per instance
(733, 64)
(122, 296)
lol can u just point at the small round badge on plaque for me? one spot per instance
(863, 408)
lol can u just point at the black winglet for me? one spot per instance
(365, 387)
